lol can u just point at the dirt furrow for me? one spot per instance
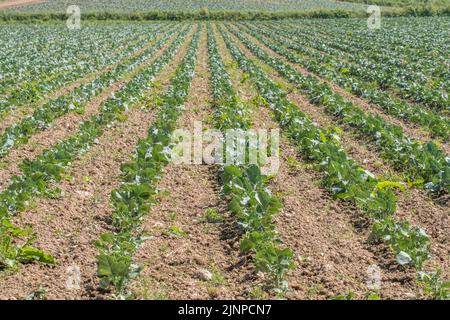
(68, 227)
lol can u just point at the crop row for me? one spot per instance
(421, 163)
(50, 166)
(58, 58)
(417, 44)
(74, 101)
(336, 71)
(133, 199)
(403, 79)
(246, 188)
(343, 177)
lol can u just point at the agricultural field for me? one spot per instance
(188, 5)
(351, 201)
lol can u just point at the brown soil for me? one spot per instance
(68, 227)
(18, 3)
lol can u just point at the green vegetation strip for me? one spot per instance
(225, 14)
(50, 166)
(133, 199)
(247, 189)
(422, 164)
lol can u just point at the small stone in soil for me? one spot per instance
(203, 274)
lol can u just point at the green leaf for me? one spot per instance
(390, 184)
(29, 253)
(403, 258)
